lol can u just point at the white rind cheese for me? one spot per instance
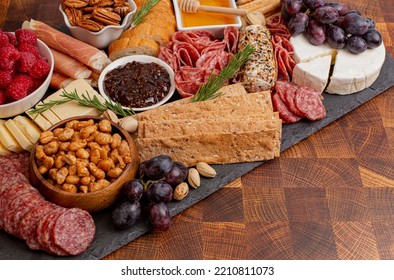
(313, 73)
(355, 72)
(351, 72)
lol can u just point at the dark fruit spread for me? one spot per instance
(137, 84)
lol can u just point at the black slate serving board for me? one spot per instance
(108, 239)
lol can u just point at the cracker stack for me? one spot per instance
(236, 127)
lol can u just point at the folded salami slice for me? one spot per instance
(285, 114)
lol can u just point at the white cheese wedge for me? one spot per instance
(21, 138)
(3, 150)
(313, 73)
(72, 109)
(39, 120)
(355, 72)
(305, 51)
(27, 126)
(50, 116)
(8, 140)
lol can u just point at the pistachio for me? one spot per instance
(193, 178)
(130, 124)
(110, 115)
(181, 191)
(205, 170)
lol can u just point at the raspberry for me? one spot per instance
(6, 64)
(11, 38)
(25, 62)
(24, 47)
(8, 51)
(3, 97)
(19, 87)
(26, 36)
(5, 78)
(36, 84)
(40, 69)
(3, 39)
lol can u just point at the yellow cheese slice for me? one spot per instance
(3, 150)
(18, 135)
(39, 120)
(50, 116)
(8, 140)
(27, 126)
(72, 109)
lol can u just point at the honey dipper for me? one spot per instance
(193, 6)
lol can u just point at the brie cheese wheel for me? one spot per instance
(313, 73)
(355, 72)
(350, 72)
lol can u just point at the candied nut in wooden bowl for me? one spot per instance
(83, 162)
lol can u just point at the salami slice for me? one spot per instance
(8, 178)
(310, 104)
(289, 99)
(285, 114)
(74, 231)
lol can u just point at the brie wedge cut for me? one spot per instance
(305, 51)
(313, 73)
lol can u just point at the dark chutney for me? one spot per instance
(137, 84)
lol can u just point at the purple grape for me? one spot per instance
(159, 216)
(373, 39)
(159, 191)
(355, 24)
(298, 23)
(156, 167)
(316, 33)
(356, 44)
(126, 214)
(352, 12)
(132, 190)
(177, 174)
(326, 15)
(371, 23)
(336, 37)
(293, 6)
(341, 8)
(339, 22)
(313, 4)
(285, 15)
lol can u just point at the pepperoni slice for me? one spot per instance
(310, 104)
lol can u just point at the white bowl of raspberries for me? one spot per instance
(26, 67)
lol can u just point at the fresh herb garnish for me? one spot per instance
(215, 82)
(143, 11)
(83, 100)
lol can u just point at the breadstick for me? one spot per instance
(257, 4)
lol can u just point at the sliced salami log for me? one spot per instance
(74, 231)
(310, 103)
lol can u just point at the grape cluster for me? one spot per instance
(330, 22)
(154, 184)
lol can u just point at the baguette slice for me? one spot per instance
(217, 148)
(131, 46)
(150, 31)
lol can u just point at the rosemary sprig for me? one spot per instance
(143, 11)
(215, 82)
(83, 100)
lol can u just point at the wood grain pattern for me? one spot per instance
(329, 197)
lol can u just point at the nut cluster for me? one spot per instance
(94, 15)
(83, 156)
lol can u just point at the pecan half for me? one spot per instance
(90, 25)
(75, 3)
(106, 17)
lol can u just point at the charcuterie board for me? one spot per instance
(108, 239)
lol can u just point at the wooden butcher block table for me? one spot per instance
(330, 196)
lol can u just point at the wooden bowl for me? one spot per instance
(91, 201)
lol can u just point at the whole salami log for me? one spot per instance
(259, 72)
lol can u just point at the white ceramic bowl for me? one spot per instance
(105, 36)
(18, 107)
(217, 30)
(143, 59)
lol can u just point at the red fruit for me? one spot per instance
(3, 97)
(25, 62)
(5, 78)
(19, 87)
(8, 51)
(24, 47)
(40, 69)
(3, 39)
(7, 64)
(26, 36)
(11, 38)
(36, 84)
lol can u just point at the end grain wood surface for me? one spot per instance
(330, 196)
